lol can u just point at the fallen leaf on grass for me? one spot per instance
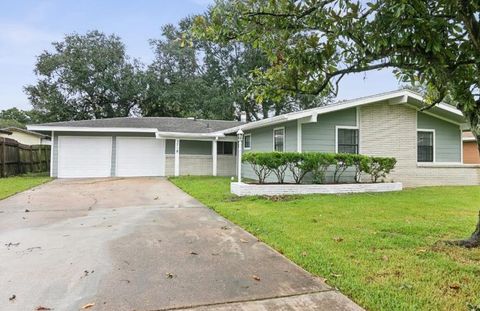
(41, 308)
(338, 239)
(454, 286)
(256, 278)
(304, 254)
(385, 258)
(88, 305)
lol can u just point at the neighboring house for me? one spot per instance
(470, 149)
(26, 137)
(427, 145)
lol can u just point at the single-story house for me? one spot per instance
(427, 144)
(25, 137)
(471, 155)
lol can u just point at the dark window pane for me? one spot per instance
(224, 147)
(347, 141)
(425, 146)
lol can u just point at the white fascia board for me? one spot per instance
(90, 129)
(207, 136)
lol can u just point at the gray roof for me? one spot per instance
(163, 124)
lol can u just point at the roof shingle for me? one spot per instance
(163, 124)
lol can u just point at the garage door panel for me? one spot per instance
(140, 156)
(80, 156)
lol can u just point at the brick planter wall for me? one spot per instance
(242, 189)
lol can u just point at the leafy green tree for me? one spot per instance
(313, 44)
(86, 76)
(20, 116)
(198, 77)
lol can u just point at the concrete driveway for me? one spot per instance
(140, 244)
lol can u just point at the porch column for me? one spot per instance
(239, 154)
(177, 157)
(214, 157)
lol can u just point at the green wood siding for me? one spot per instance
(262, 138)
(320, 136)
(447, 137)
(199, 147)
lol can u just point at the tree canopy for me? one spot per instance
(86, 76)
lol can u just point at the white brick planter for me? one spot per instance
(242, 189)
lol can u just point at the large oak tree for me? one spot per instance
(84, 77)
(313, 44)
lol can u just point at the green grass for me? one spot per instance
(12, 185)
(379, 249)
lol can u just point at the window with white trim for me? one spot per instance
(247, 141)
(279, 139)
(347, 140)
(425, 142)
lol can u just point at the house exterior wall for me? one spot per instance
(317, 136)
(24, 138)
(320, 136)
(390, 130)
(201, 165)
(470, 153)
(262, 138)
(200, 147)
(448, 138)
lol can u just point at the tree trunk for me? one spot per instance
(474, 120)
(473, 241)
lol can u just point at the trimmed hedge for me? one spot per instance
(317, 164)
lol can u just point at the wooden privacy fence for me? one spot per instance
(16, 158)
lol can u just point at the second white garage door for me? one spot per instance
(140, 156)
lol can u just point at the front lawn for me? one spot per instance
(379, 249)
(12, 185)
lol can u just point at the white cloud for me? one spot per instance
(18, 34)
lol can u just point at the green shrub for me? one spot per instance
(278, 163)
(379, 167)
(316, 163)
(297, 165)
(260, 163)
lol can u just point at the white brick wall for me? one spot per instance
(390, 130)
(242, 189)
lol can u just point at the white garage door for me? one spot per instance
(84, 156)
(140, 156)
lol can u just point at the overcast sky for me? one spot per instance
(27, 27)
